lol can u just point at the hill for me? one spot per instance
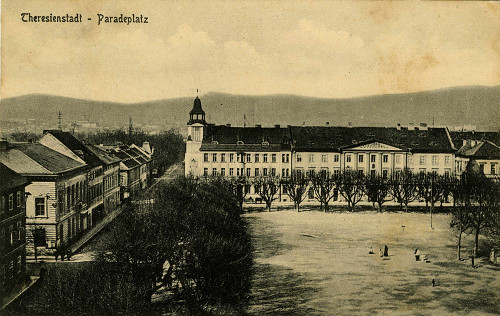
(475, 105)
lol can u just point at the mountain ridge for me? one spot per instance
(476, 105)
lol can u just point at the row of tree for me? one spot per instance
(403, 187)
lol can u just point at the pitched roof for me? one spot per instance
(323, 138)
(459, 137)
(482, 150)
(10, 179)
(76, 146)
(221, 137)
(31, 159)
(103, 156)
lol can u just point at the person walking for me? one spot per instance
(386, 251)
(417, 254)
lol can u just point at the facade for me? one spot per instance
(482, 156)
(55, 198)
(111, 178)
(68, 145)
(12, 229)
(258, 151)
(134, 169)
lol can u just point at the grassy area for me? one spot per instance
(317, 263)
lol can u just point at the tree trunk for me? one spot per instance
(380, 207)
(459, 243)
(476, 246)
(326, 206)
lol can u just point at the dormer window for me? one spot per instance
(239, 142)
(214, 142)
(265, 143)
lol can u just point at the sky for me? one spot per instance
(331, 49)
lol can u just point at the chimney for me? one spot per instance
(327, 123)
(258, 125)
(349, 124)
(411, 126)
(228, 125)
(4, 144)
(398, 127)
(423, 126)
(303, 124)
(276, 126)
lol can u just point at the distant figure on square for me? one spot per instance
(417, 254)
(371, 251)
(386, 251)
(380, 252)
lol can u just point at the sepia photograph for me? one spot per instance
(299, 157)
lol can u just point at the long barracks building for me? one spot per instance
(260, 151)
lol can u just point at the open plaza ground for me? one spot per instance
(319, 263)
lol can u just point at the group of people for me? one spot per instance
(63, 253)
(382, 254)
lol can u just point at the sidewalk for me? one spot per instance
(82, 241)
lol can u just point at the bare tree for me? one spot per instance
(460, 220)
(296, 185)
(267, 188)
(377, 190)
(323, 185)
(404, 187)
(351, 186)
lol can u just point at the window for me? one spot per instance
(422, 160)
(385, 158)
(248, 172)
(336, 158)
(239, 157)
(493, 169)
(256, 172)
(481, 167)
(446, 160)
(373, 158)
(249, 158)
(265, 157)
(421, 170)
(434, 160)
(434, 171)
(398, 158)
(18, 199)
(348, 158)
(361, 172)
(11, 202)
(285, 172)
(311, 157)
(311, 172)
(324, 158)
(231, 172)
(273, 171)
(238, 172)
(214, 171)
(373, 173)
(214, 157)
(223, 172)
(223, 157)
(385, 172)
(336, 172)
(285, 157)
(39, 206)
(264, 172)
(447, 172)
(247, 188)
(205, 172)
(361, 158)
(231, 157)
(299, 157)
(257, 157)
(273, 158)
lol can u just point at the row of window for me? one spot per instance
(245, 157)
(11, 237)
(241, 172)
(10, 202)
